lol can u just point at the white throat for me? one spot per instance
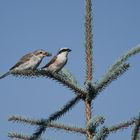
(62, 57)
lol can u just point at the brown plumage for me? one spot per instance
(29, 61)
(22, 60)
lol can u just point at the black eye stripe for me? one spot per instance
(64, 50)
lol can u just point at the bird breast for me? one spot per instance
(61, 58)
(30, 64)
(59, 63)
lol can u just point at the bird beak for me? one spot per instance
(48, 54)
(69, 50)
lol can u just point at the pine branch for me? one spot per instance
(59, 78)
(123, 125)
(116, 70)
(21, 136)
(88, 117)
(18, 136)
(54, 117)
(90, 88)
(109, 77)
(20, 119)
(94, 123)
(125, 57)
(89, 61)
(95, 89)
(88, 37)
(102, 134)
(67, 75)
(136, 132)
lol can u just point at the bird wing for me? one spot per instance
(22, 60)
(51, 61)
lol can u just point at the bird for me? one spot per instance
(58, 61)
(29, 61)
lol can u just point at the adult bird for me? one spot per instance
(29, 61)
(58, 61)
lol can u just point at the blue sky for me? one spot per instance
(49, 24)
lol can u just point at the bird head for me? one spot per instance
(64, 50)
(42, 53)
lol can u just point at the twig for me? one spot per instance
(125, 57)
(136, 129)
(54, 116)
(123, 125)
(102, 135)
(21, 136)
(41, 73)
(54, 125)
(109, 77)
(18, 136)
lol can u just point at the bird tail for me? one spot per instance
(4, 75)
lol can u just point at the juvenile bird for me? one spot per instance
(58, 61)
(29, 61)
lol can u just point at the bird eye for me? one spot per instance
(41, 52)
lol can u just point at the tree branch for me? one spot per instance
(89, 61)
(18, 136)
(123, 125)
(41, 73)
(89, 43)
(53, 117)
(125, 57)
(136, 129)
(54, 125)
(108, 78)
(105, 131)
(21, 136)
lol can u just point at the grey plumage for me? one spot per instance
(22, 60)
(29, 61)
